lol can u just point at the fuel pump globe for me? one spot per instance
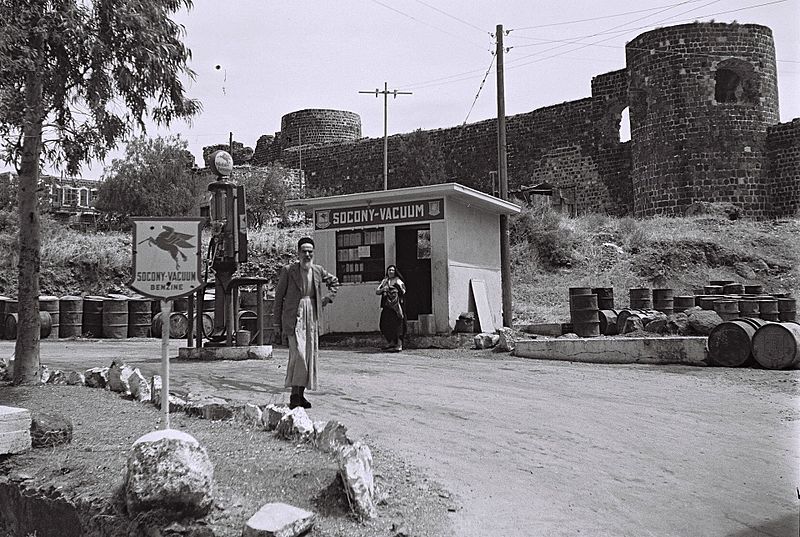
(221, 163)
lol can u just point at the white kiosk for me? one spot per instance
(444, 239)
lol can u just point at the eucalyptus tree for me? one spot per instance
(76, 77)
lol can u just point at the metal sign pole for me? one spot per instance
(166, 310)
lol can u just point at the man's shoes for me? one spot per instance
(295, 401)
(305, 403)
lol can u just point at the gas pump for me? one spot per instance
(228, 245)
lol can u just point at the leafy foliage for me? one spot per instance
(154, 179)
(267, 190)
(541, 228)
(421, 161)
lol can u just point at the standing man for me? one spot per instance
(299, 299)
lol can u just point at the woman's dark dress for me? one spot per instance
(393, 318)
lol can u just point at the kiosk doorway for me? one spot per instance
(413, 255)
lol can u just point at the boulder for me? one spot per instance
(168, 469)
(632, 324)
(76, 378)
(49, 429)
(355, 469)
(119, 378)
(507, 340)
(176, 404)
(332, 437)
(209, 408)
(272, 416)
(140, 387)
(250, 414)
(6, 369)
(57, 377)
(658, 326)
(294, 425)
(278, 520)
(44, 373)
(486, 341)
(703, 322)
(97, 377)
(678, 324)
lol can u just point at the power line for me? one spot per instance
(425, 23)
(452, 16)
(598, 18)
(480, 88)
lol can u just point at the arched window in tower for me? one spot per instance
(727, 85)
(625, 125)
(735, 81)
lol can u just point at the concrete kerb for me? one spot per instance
(624, 350)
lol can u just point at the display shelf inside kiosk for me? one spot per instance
(359, 255)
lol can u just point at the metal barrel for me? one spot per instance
(733, 289)
(12, 319)
(93, 316)
(608, 322)
(713, 289)
(753, 289)
(640, 298)
(727, 309)
(768, 309)
(663, 301)
(70, 316)
(50, 305)
(777, 345)
(730, 344)
(115, 318)
(787, 309)
(682, 303)
(748, 307)
(178, 325)
(605, 297)
(585, 315)
(139, 317)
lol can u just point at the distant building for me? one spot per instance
(68, 197)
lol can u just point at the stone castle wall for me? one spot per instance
(704, 127)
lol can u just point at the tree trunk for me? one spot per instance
(26, 362)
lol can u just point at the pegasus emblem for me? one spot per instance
(171, 241)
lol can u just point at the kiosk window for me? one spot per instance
(359, 255)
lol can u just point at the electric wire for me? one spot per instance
(479, 89)
(452, 16)
(415, 19)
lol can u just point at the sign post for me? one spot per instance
(166, 265)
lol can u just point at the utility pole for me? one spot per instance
(230, 143)
(502, 172)
(385, 94)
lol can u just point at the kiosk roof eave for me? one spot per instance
(457, 191)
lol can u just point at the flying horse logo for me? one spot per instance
(171, 241)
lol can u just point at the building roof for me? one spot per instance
(466, 195)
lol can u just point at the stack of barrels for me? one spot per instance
(113, 316)
(591, 310)
(759, 329)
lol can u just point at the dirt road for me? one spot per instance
(532, 447)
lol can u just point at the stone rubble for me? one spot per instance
(279, 520)
(486, 341)
(50, 429)
(355, 469)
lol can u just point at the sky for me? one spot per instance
(256, 60)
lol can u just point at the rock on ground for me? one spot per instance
(168, 469)
(355, 468)
(278, 520)
(49, 429)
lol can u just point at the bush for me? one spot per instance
(540, 227)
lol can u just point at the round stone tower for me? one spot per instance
(316, 126)
(701, 98)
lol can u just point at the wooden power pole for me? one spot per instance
(385, 94)
(502, 172)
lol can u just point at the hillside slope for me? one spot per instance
(550, 253)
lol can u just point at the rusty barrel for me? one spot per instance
(139, 317)
(70, 316)
(115, 318)
(50, 305)
(640, 298)
(608, 322)
(787, 309)
(748, 307)
(730, 343)
(663, 301)
(12, 319)
(712, 289)
(605, 297)
(178, 325)
(93, 316)
(706, 302)
(585, 315)
(580, 291)
(208, 323)
(682, 303)
(727, 309)
(768, 309)
(733, 289)
(721, 283)
(777, 345)
(753, 289)
(180, 304)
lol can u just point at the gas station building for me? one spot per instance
(444, 239)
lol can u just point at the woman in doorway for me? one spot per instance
(393, 316)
